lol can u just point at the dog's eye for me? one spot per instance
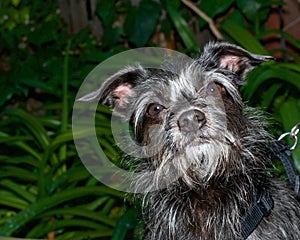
(214, 88)
(154, 109)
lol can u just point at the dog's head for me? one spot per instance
(188, 115)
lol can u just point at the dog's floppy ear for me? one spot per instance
(231, 57)
(116, 90)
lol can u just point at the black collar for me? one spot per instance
(260, 208)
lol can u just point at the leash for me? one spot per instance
(264, 203)
(283, 152)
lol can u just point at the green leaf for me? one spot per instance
(214, 7)
(243, 37)
(80, 235)
(47, 203)
(81, 212)
(17, 173)
(71, 176)
(97, 203)
(105, 10)
(127, 221)
(183, 29)
(41, 231)
(292, 40)
(62, 139)
(269, 95)
(15, 2)
(38, 131)
(250, 8)
(31, 73)
(263, 74)
(290, 66)
(257, 10)
(18, 189)
(14, 140)
(43, 33)
(111, 37)
(8, 160)
(9, 200)
(9, 140)
(141, 22)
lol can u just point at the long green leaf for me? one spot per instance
(97, 203)
(269, 95)
(45, 204)
(71, 176)
(183, 29)
(290, 66)
(58, 224)
(22, 145)
(18, 173)
(82, 212)
(264, 74)
(12, 139)
(127, 221)
(10, 200)
(17, 188)
(63, 138)
(141, 21)
(38, 131)
(80, 235)
(59, 141)
(243, 37)
(8, 160)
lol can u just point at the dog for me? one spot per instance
(204, 164)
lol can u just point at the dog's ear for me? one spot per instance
(231, 57)
(116, 90)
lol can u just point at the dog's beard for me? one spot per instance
(198, 164)
(194, 166)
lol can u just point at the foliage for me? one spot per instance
(45, 190)
(44, 187)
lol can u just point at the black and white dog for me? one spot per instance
(206, 149)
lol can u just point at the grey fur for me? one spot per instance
(220, 167)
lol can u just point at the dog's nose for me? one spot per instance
(191, 121)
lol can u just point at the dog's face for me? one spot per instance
(188, 115)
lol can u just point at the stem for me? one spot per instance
(206, 18)
(65, 104)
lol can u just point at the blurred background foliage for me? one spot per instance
(48, 47)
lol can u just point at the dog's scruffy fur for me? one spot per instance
(206, 151)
